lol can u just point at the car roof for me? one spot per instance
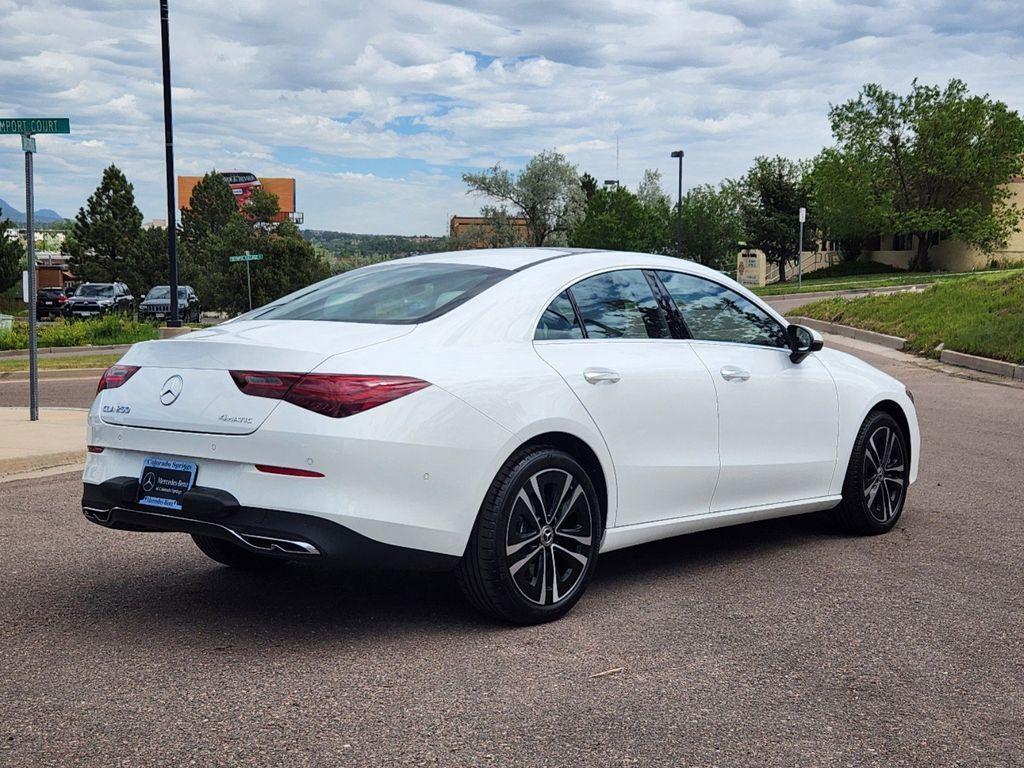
(517, 259)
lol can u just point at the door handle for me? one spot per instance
(601, 375)
(732, 373)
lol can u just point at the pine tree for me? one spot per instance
(11, 253)
(106, 231)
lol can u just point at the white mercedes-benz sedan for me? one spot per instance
(506, 413)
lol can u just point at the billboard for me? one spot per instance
(243, 184)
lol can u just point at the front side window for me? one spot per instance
(559, 321)
(406, 293)
(620, 305)
(715, 313)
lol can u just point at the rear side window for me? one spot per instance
(559, 321)
(400, 294)
(619, 305)
(714, 313)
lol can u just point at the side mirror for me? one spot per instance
(802, 341)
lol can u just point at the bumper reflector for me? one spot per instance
(272, 470)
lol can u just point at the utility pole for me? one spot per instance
(172, 252)
(800, 250)
(679, 204)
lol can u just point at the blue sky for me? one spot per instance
(377, 108)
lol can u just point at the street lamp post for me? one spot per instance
(679, 204)
(174, 321)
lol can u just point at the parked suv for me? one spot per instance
(157, 304)
(92, 299)
(50, 301)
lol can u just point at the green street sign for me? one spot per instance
(246, 257)
(35, 125)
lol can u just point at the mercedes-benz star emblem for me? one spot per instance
(170, 390)
(148, 482)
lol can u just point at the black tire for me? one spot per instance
(873, 500)
(226, 553)
(515, 543)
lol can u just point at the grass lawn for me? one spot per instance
(981, 315)
(59, 362)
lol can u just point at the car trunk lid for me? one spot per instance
(184, 384)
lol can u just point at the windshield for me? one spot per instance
(95, 291)
(164, 292)
(392, 293)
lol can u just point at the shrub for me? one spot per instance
(112, 329)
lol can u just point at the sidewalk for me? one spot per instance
(57, 440)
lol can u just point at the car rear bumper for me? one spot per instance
(274, 533)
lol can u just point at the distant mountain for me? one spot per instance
(43, 215)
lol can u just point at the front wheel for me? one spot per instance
(875, 488)
(534, 546)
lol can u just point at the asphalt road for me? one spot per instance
(53, 393)
(771, 644)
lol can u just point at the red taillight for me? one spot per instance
(94, 448)
(271, 469)
(264, 384)
(115, 376)
(334, 395)
(62, 299)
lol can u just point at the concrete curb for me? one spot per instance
(986, 364)
(20, 466)
(883, 340)
(948, 356)
(58, 373)
(847, 292)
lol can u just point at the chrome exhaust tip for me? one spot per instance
(283, 546)
(97, 515)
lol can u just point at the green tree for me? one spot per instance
(712, 225)
(11, 254)
(546, 193)
(102, 246)
(589, 185)
(213, 230)
(151, 262)
(616, 219)
(935, 163)
(771, 196)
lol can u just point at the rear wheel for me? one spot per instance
(226, 553)
(876, 482)
(534, 546)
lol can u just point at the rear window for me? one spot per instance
(400, 294)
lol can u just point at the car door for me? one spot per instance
(650, 396)
(778, 420)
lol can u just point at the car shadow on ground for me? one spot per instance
(156, 595)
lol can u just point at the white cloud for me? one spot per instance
(376, 108)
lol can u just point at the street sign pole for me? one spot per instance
(28, 144)
(800, 250)
(247, 257)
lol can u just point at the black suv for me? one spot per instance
(99, 299)
(157, 304)
(50, 301)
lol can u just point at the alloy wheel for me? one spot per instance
(884, 474)
(549, 538)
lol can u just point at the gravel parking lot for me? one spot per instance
(771, 644)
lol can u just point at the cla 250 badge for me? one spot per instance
(117, 409)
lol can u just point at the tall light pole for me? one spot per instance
(174, 321)
(679, 204)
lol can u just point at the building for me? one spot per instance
(52, 270)
(478, 231)
(951, 255)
